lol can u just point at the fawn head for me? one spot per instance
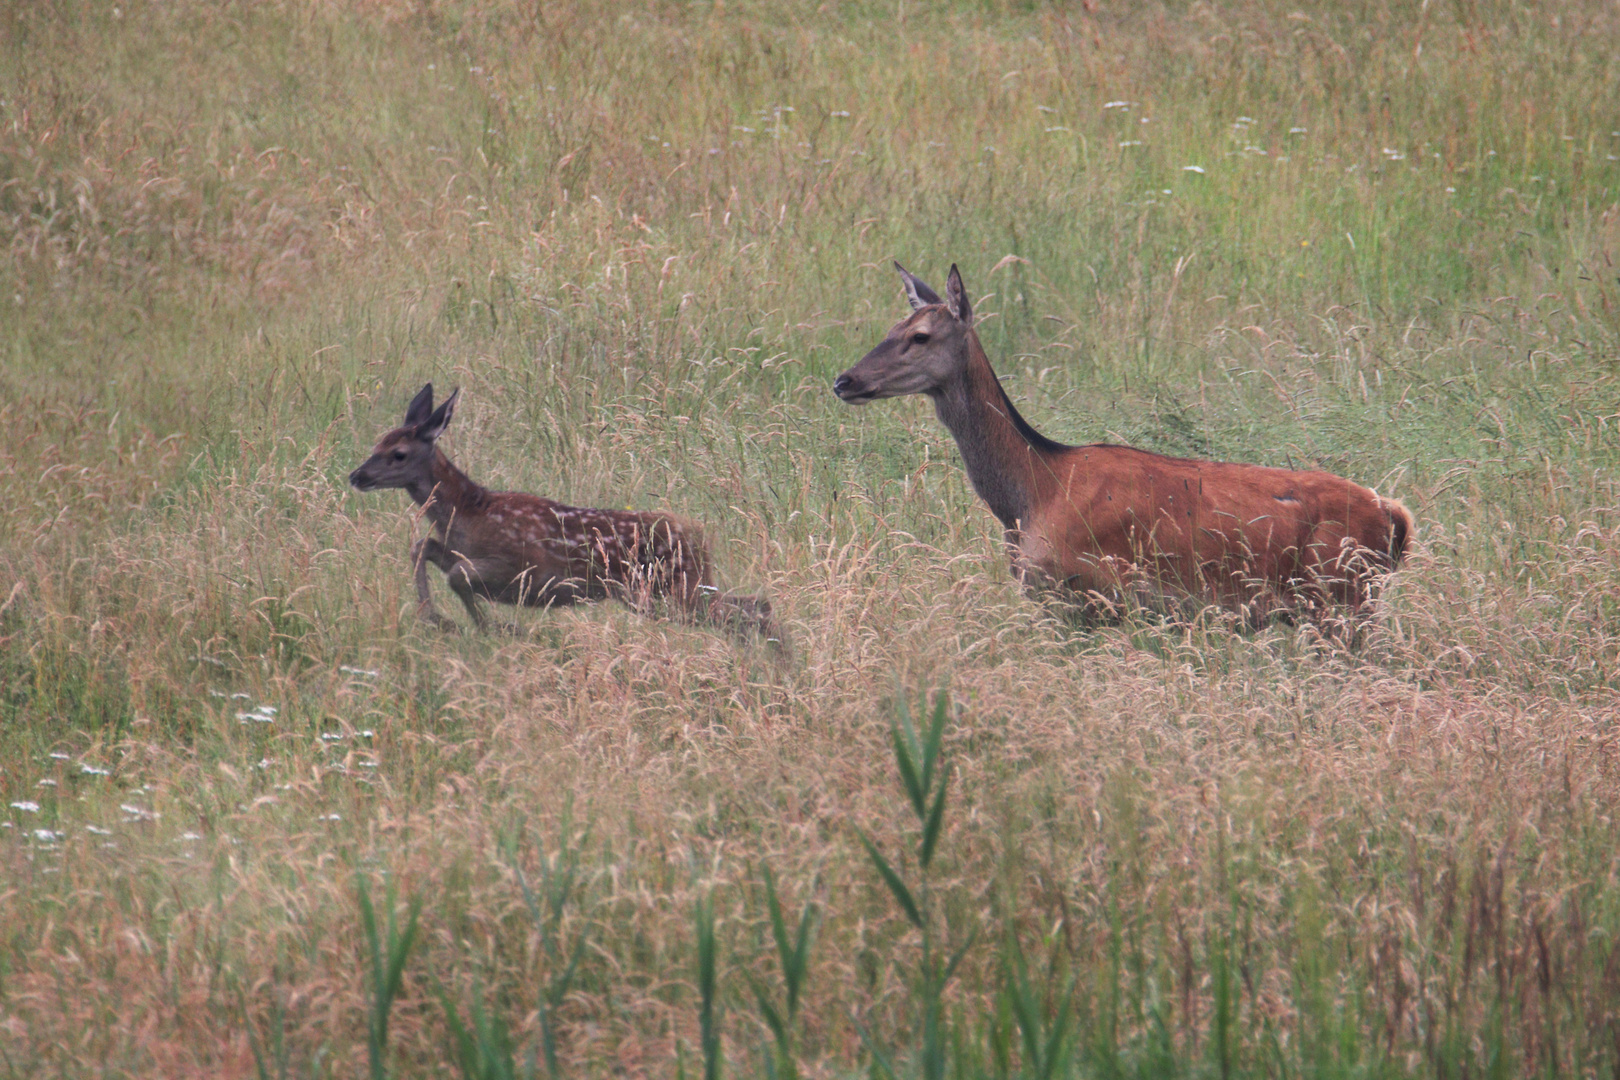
(404, 456)
(922, 352)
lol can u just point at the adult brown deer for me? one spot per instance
(1108, 525)
(514, 548)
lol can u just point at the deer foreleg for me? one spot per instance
(461, 584)
(1086, 590)
(428, 551)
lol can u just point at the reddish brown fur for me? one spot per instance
(1111, 523)
(515, 548)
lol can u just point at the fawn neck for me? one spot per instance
(1006, 459)
(447, 492)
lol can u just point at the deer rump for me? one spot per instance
(1173, 533)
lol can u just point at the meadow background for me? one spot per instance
(1374, 238)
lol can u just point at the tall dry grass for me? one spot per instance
(644, 239)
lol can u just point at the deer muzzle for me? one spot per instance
(852, 390)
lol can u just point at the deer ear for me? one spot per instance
(435, 424)
(919, 294)
(957, 298)
(421, 406)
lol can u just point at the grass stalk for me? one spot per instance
(388, 952)
(709, 1005)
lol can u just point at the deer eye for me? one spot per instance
(399, 455)
(919, 339)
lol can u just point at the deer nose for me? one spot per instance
(356, 479)
(843, 384)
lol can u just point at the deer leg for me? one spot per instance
(424, 552)
(461, 584)
(663, 568)
(688, 582)
(693, 594)
(1093, 597)
(456, 573)
(639, 590)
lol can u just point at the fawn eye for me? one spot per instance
(399, 455)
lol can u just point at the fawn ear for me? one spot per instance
(421, 406)
(434, 426)
(919, 294)
(957, 298)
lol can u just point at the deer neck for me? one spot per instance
(447, 492)
(999, 451)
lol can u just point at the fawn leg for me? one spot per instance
(424, 552)
(461, 584)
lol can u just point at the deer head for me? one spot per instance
(922, 353)
(404, 457)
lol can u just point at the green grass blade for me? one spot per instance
(896, 886)
(399, 947)
(793, 956)
(936, 734)
(936, 818)
(548, 1043)
(461, 1039)
(1054, 1057)
(388, 959)
(368, 923)
(956, 958)
(773, 1015)
(708, 1018)
(880, 1060)
(773, 905)
(904, 761)
(933, 1038)
(801, 957)
(531, 901)
(377, 1022)
(1025, 1009)
(560, 984)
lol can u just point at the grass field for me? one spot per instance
(259, 821)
